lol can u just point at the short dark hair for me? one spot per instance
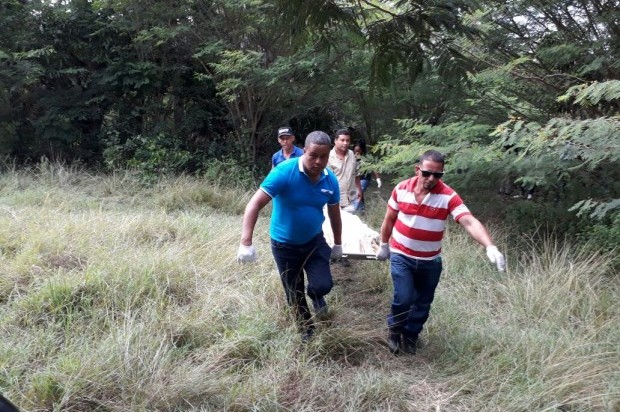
(362, 145)
(318, 137)
(345, 132)
(433, 155)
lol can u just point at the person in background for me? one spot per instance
(414, 224)
(360, 151)
(300, 188)
(286, 138)
(343, 163)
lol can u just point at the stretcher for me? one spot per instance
(359, 241)
(359, 256)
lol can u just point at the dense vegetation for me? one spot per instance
(522, 95)
(120, 297)
(518, 93)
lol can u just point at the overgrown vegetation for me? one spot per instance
(519, 93)
(129, 272)
(115, 296)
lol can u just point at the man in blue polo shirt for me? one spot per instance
(286, 138)
(300, 188)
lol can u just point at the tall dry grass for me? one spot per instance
(120, 297)
(544, 336)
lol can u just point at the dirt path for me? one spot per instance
(361, 308)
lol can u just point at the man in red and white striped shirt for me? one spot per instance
(414, 224)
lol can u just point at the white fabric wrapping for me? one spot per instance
(357, 237)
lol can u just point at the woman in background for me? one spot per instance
(360, 151)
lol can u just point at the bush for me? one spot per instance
(531, 217)
(603, 235)
(151, 155)
(228, 173)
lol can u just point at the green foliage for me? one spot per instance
(494, 95)
(538, 218)
(460, 142)
(453, 133)
(228, 173)
(416, 35)
(152, 156)
(584, 143)
(597, 210)
(560, 55)
(167, 87)
(94, 70)
(568, 152)
(233, 64)
(603, 235)
(593, 94)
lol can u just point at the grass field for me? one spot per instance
(119, 297)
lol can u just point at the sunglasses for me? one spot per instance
(427, 173)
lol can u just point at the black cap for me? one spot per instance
(285, 131)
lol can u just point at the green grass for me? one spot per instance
(119, 297)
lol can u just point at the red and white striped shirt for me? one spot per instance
(419, 228)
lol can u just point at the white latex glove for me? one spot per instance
(378, 182)
(384, 251)
(246, 254)
(496, 257)
(336, 252)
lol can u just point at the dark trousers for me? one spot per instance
(292, 261)
(414, 282)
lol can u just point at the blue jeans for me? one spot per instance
(292, 261)
(414, 282)
(360, 206)
(364, 183)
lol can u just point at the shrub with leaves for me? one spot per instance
(151, 155)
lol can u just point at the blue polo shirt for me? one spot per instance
(278, 157)
(297, 214)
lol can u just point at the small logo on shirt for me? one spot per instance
(327, 191)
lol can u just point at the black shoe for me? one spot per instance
(409, 345)
(307, 335)
(394, 342)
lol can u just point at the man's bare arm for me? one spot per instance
(388, 224)
(333, 212)
(250, 216)
(476, 230)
